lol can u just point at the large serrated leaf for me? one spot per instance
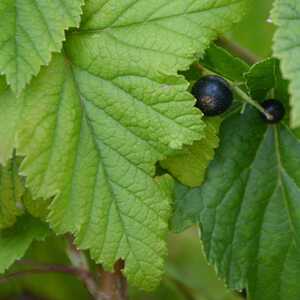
(286, 15)
(30, 32)
(249, 208)
(77, 144)
(95, 122)
(15, 241)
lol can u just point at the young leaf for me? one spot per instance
(189, 165)
(249, 208)
(37, 208)
(286, 15)
(96, 121)
(30, 32)
(221, 62)
(11, 192)
(15, 241)
(9, 111)
(265, 77)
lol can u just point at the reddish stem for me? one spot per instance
(114, 284)
(42, 269)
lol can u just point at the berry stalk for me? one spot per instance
(250, 101)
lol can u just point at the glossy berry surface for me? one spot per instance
(275, 110)
(213, 95)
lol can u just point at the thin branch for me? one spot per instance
(76, 257)
(110, 285)
(79, 261)
(236, 49)
(41, 269)
(250, 101)
(77, 271)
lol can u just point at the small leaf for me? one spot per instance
(286, 15)
(11, 192)
(264, 79)
(10, 112)
(189, 165)
(225, 64)
(30, 32)
(187, 207)
(15, 241)
(37, 208)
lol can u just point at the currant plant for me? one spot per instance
(122, 120)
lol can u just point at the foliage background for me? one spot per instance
(187, 274)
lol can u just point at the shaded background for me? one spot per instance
(188, 277)
(254, 32)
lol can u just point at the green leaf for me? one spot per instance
(37, 208)
(186, 208)
(15, 241)
(10, 113)
(225, 64)
(95, 122)
(189, 165)
(249, 208)
(103, 163)
(286, 15)
(11, 192)
(14, 198)
(264, 79)
(30, 32)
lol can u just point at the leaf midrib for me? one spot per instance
(114, 200)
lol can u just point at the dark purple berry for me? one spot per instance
(274, 111)
(213, 95)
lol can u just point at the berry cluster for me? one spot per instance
(214, 96)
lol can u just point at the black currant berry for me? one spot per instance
(243, 294)
(274, 109)
(213, 95)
